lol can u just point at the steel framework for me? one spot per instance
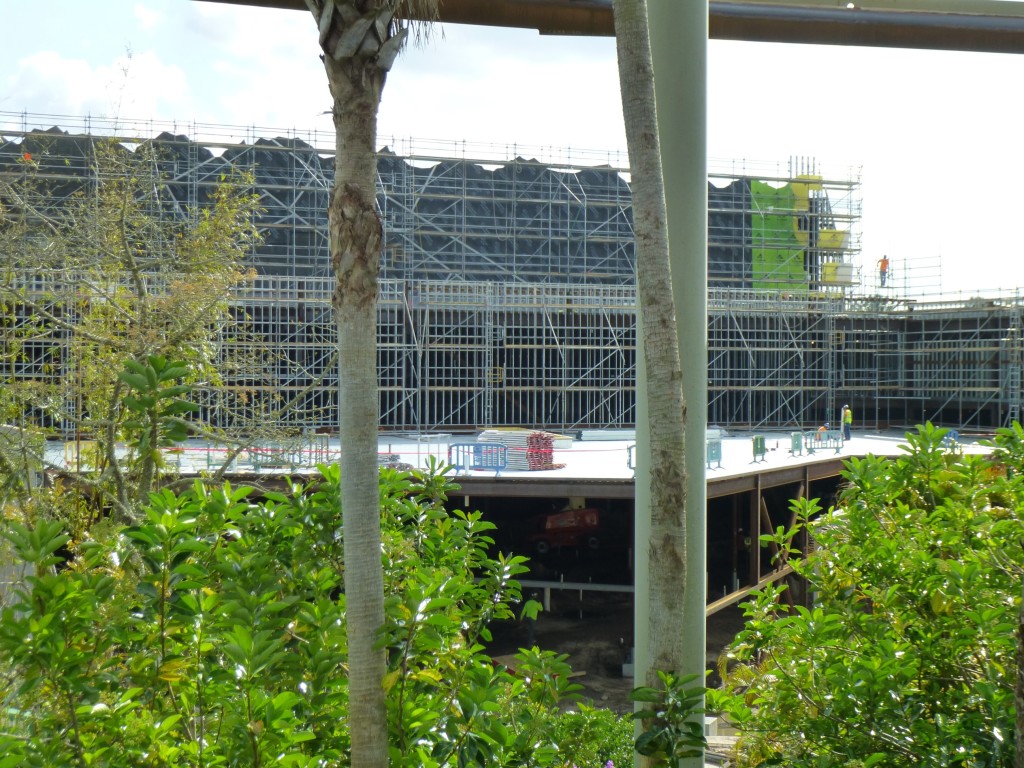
(507, 293)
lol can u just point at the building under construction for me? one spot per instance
(508, 293)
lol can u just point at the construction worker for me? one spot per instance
(847, 422)
(883, 270)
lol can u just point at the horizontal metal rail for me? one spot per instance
(951, 26)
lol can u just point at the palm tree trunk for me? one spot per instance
(356, 239)
(667, 409)
(360, 41)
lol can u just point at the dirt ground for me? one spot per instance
(596, 631)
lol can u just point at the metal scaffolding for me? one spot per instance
(957, 364)
(508, 298)
(772, 359)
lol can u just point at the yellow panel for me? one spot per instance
(802, 204)
(838, 273)
(832, 239)
(801, 190)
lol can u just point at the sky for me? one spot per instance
(936, 136)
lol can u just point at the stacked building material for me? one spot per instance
(527, 449)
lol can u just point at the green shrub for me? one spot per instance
(213, 634)
(908, 655)
(590, 738)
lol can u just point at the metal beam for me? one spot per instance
(875, 28)
(993, 26)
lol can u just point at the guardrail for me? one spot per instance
(823, 438)
(486, 457)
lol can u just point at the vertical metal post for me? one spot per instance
(679, 35)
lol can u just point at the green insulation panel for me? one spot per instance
(777, 238)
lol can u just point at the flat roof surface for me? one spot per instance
(594, 459)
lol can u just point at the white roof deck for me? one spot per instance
(595, 459)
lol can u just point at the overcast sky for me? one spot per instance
(937, 136)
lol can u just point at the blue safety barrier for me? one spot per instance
(485, 457)
(823, 438)
(796, 444)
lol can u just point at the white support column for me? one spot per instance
(679, 41)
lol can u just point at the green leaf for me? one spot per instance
(650, 744)
(646, 694)
(134, 380)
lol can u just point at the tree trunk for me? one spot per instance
(352, 35)
(356, 237)
(667, 409)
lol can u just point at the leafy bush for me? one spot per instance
(590, 738)
(907, 656)
(213, 634)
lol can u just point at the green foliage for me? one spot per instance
(907, 656)
(112, 273)
(448, 703)
(21, 461)
(156, 410)
(195, 638)
(591, 738)
(212, 633)
(155, 403)
(672, 719)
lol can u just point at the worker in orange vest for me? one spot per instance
(883, 270)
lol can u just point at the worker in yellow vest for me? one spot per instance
(847, 422)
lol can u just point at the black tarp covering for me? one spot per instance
(729, 263)
(445, 219)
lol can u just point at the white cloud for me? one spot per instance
(506, 87)
(148, 18)
(259, 66)
(247, 34)
(133, 85)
